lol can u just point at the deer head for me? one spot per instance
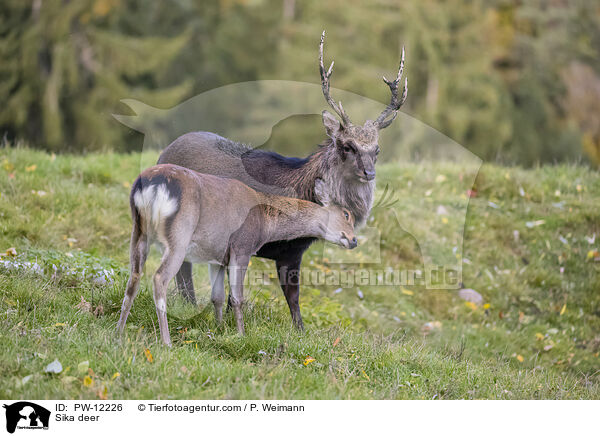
(340, 221)
(357, 146)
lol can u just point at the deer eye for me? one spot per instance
(346, 215)
(348, 148)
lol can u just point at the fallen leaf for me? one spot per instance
(430, 326)
(531, 224)
(54, 367)
(148, 355)
(83, 367)
(337, 341)
(103, 393)
(593, 254)
(406, 291)
(68, 379)
(564, 308)
(308, 360)
(471, 305)
(9, 252)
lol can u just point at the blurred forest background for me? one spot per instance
(515, 81)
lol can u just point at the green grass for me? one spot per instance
(538, 338)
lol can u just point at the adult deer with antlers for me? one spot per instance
(345, 161)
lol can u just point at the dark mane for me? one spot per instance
(270, 168)
(274, 159)
(299, 174)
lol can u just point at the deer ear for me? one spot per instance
(322, 192)
(331, 123)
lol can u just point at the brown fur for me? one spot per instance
(184, 212)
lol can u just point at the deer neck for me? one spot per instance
(350, 193)
(302, 220)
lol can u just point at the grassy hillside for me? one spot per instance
(529, 250)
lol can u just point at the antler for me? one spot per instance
(325, 75)
(384, 119)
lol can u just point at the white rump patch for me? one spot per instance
(153, 202)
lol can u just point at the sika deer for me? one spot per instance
(203, 218)
(345, 162)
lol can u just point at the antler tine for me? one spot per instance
(384, 119)
(325, 75)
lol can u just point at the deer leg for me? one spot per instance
(185, 282)
(138, 253)
(170, 263)
(237, 271)
(289, 279)
(216, 273)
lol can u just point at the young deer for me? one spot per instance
(345, 162)
(202, 218)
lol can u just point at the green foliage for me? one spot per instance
(512, 81)
(67, 67)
